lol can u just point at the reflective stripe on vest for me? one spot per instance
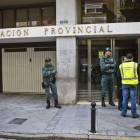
(129, 73)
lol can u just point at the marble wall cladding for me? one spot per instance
(66, 57)
(66, 88)
(66, 10)
(66, 67)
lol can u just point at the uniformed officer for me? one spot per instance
(139, 84)
(129, 72)
(119, 86)
(107, 66)
(49, 73)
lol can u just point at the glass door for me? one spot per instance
(82, 52)
(97, 51)
(89, 53)
(122, 48)
(89, 75)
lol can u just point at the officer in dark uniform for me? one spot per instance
(107, 66)
(49, 73)
(139, 84)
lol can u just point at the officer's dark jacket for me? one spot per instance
(119, 85)
(48, 73)
(119, 78)
(139, 75)
(111, 64)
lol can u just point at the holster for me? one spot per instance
(43, 86)
(54, 80)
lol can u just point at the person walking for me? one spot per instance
(107, 67)
(119, 87)
(49, 73)
(129, 72)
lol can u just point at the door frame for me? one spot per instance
(112, 46)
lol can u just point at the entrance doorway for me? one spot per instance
(89, 53)
(89, 79)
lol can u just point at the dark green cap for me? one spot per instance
(107, 49)
(48, 59)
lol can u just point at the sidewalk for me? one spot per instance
(71, 119)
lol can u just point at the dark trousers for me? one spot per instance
(107, 80)
(54, 91)
(120, 103)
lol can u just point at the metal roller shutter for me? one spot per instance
(22, 69)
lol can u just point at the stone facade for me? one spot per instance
(66, 53)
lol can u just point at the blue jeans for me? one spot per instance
(132, 91)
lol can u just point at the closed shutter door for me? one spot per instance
(38, 61)
(22, 69)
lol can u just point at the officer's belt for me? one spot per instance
(46, 76)
(108, 73)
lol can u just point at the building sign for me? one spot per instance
(101, 53)
(72, 30)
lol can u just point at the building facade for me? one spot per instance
(74, 33)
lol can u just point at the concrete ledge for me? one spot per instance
(19, 136)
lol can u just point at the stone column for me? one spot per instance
(66, 67)
(66, 10)
(66, 53)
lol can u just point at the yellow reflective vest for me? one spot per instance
(129, 73)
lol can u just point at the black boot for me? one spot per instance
(120, 108)
(129, 108)
(48, 104)
(103, 102)
(56, 104)
(110, 101)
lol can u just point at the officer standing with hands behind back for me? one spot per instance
(107, 66)
(129, 72)
(49, 73)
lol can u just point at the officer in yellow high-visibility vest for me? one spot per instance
(129, 71)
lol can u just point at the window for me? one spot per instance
(21, 18)
(34, 18)
(15, 50)
(48, 16)
(45, 49)
(8, 19)
(130, 10)
(94, 11)
(29, 16)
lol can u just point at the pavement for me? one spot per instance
(67, 122)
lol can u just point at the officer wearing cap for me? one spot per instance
(107, 66)
(49, 73)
